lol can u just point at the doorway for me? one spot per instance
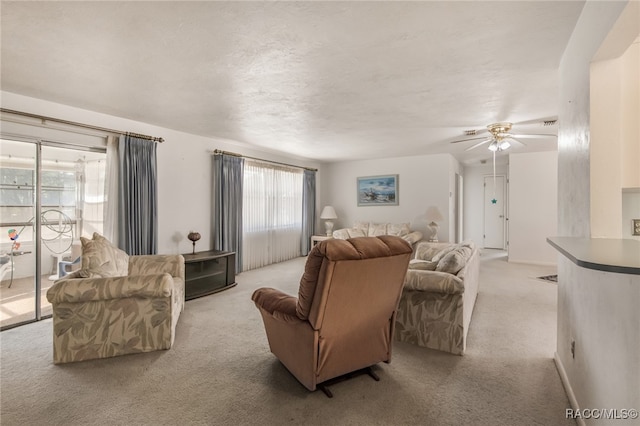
(50, 196)
(495, 194)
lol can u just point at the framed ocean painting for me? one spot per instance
(378, 190)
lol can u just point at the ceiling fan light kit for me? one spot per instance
(499, 145)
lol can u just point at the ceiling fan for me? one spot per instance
(499, 138)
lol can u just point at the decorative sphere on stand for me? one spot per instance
(194, 236)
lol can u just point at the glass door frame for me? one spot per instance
(37, 223)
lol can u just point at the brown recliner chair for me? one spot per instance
(344, 316)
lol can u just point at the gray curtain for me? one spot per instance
(227, 205)
(137, 196)
(308, 210)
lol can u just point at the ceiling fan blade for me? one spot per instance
(545, 121)
(516, 140)
(532, 135)
(479, 144)
(468, 139)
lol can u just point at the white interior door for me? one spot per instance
(494, 212)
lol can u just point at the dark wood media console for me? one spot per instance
(209, 272)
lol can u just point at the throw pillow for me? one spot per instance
(101, 259)
(454, 260)
(422, 265)
(444, 252)
(426, 251)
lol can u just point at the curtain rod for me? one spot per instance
(221, 152)
(86, 126)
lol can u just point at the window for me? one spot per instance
(271, 213)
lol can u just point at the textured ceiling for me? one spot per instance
(319, 80)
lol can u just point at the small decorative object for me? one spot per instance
(378, 190)
(193, 236)
(636, 227)
(433, 217)
(328, 215)
(13, 236)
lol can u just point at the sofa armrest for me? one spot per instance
(91, 289)
(433, 281)
(412, 237)
(172, 264)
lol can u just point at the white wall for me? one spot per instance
(597, 314)
(423, 181)
(533, 212)
(630, 111)
(474, 198)
(615, 138)
(605, 149)
(184, 170)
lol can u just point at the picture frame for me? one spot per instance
(381, 190)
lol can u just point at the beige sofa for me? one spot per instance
(116, 304)
(439, 294)
(371, 229)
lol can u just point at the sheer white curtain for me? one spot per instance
(110, 206)
(94, 198)
(271, 213)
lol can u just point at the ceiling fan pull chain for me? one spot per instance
(494, 200)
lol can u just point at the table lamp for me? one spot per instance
(328, 215)
(433, 217)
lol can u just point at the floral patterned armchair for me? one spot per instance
(116, 304)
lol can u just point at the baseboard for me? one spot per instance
(531, 262)
(567, 388)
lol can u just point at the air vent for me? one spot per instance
(550, 122)
(470, 132)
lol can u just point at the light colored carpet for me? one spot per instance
(220, 371)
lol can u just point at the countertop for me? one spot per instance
(601, 254)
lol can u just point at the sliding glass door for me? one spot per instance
(51, 196)
(17, 232)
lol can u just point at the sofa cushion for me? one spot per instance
(363, 226)
(355, 233)
(454, 260)
(398, 229)
(377, 229)
(101, 259)
(423, 265)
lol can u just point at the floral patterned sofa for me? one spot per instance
(116, 304)
(371, 229)
(438, 297)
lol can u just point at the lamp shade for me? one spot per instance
(434, 215)
(328, 212)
